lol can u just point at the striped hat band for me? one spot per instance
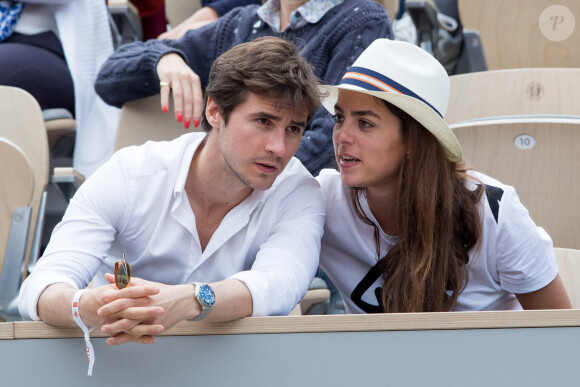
(373, 81)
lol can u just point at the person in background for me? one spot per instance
(229, 211)
(409, 227)
(54, 53)
(330, 34)
(152, 16)
(210, 11)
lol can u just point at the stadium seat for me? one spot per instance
(529, 92)
(124, 21)
(142, 120)
(568, 261)
(540, 158)
(24, 173)
(176, 11)
(523, 33)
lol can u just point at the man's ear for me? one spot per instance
(212, 113)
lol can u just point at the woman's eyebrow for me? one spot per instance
(358, 113)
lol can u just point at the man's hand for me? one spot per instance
(178, 78)
(130, 320)
(54, 304)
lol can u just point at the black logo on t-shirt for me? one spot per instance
(494, 195)
(369, 279)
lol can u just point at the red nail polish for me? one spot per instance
(186, 124)
(164, 108)
(179, 117)
(196, 122)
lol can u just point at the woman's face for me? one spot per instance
(368, 145)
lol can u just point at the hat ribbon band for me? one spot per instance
(374, 81)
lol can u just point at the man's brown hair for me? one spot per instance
(266, 66)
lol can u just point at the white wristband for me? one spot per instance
(77, 317)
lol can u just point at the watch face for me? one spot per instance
(206, 294)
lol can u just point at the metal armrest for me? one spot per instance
(12, 268)
(68, 181)
(58, 122)
(317, 293)
(125, 22)
(314, 297)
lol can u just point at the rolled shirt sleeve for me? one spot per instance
(79, 244)
(525, 252)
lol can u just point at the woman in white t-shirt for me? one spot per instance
(408, 227)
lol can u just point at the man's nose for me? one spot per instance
(276, 142)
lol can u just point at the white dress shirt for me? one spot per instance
(136, 204)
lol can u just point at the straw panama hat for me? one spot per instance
(407, 77)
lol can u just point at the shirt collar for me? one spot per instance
(310, 12)
(183, 171)
(256, 197)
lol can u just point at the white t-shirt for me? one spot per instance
(515, 256)
(136, 204)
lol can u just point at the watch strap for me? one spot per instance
(205, 309)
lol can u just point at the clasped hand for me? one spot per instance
(142, 310)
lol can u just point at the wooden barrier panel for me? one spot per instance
(6, 331)
(524, 348)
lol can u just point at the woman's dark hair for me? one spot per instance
(438, 222)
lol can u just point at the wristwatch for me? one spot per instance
(206, 297)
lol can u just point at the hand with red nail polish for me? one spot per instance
(185, 88)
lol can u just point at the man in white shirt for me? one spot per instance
(230, 207)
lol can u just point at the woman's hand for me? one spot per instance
(177, 78)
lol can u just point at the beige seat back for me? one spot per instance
(545, 175)
(23, 180)
(176, 11)
(515, 92)
(142, 120)
(568, 261)
(391, 6)
(16, 187)
(525, 33)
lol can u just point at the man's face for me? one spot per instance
(259, 140)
